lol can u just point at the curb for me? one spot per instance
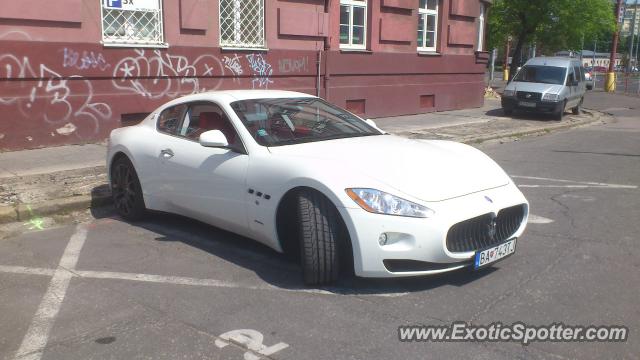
(595, 116)
(22, 212)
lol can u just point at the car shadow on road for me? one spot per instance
(522, 115)
(277, 269)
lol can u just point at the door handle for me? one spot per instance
(166, 153)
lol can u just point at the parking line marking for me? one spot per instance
(536, 219)
(181, 280)
(581, 184)
(37, 335)
(26, 270)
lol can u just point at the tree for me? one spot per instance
(555, 24)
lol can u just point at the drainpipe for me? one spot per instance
(318, 83)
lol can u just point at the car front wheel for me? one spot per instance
(560, 114)
(320, 231)
(126, 190)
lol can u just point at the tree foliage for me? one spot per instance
(552, 24)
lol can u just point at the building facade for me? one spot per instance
(631, 20)
(73, 70)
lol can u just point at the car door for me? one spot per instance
(206, 183)
(572, 89)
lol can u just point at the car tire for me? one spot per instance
(560, 114)
(319, 238)
(576, 110)
(507, 111)
(126, 190)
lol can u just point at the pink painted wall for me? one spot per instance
(59, 85)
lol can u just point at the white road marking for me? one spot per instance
(37, 335)
(577, 184)
(181, 280)
(26, 270)
(536, 219)
(252, 340)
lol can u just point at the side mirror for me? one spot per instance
(213, 138)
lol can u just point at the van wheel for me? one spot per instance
(576, 110)
(560, 114)
(319, 238)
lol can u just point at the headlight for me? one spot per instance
(509, 93)
(550, 97)
(380, 202)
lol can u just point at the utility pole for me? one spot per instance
(632, 37)
(593, 62)
(492, 68)
(505, 70)
(610, 82)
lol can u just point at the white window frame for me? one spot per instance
(481, 28)
(158, 43)
(237, 43)
(351, 4)
(424, 11)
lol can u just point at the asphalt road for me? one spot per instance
(172, 288)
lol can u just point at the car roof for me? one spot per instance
(553, 61)
(235, 95)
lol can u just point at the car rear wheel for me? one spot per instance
(507, 111)
(576, 110)
(126, 190)
(320, 236)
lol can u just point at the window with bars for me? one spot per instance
(427, 25)
(242, 24)
(353, 24)
(125, 22)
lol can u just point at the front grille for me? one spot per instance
(475, 234)
(531, 96)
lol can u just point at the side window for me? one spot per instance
(170, 118)
(570, 76)
(203, 117)
(579, 75)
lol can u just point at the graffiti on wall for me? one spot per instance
(293, 65)
(261, 69)
(57, 96)
(84, 60)
(58, 101)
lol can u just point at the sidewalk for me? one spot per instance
(59, 180)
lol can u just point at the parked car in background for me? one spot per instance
(600, 69)
(588, 79)
(308, 178)
(546, 84)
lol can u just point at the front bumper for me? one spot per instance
(541, 106)
(418, 246)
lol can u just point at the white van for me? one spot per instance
(546, 84)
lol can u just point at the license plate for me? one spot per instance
(491, 255)
(526, 104)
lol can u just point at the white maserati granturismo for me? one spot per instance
(308, 178)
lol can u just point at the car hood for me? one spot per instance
(430, 170)
(534, 87)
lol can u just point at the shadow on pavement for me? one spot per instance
(274, 268)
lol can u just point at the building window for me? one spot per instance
(128, 22)
(481, 28)
(427, 25)
(242, 24)
(353, 24)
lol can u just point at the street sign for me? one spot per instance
(621, 14)
(132, 4)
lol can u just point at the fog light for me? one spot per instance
(382, 240)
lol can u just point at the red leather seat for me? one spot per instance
(215, 121)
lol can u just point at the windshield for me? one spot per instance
(541, 74)
(285, 121)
